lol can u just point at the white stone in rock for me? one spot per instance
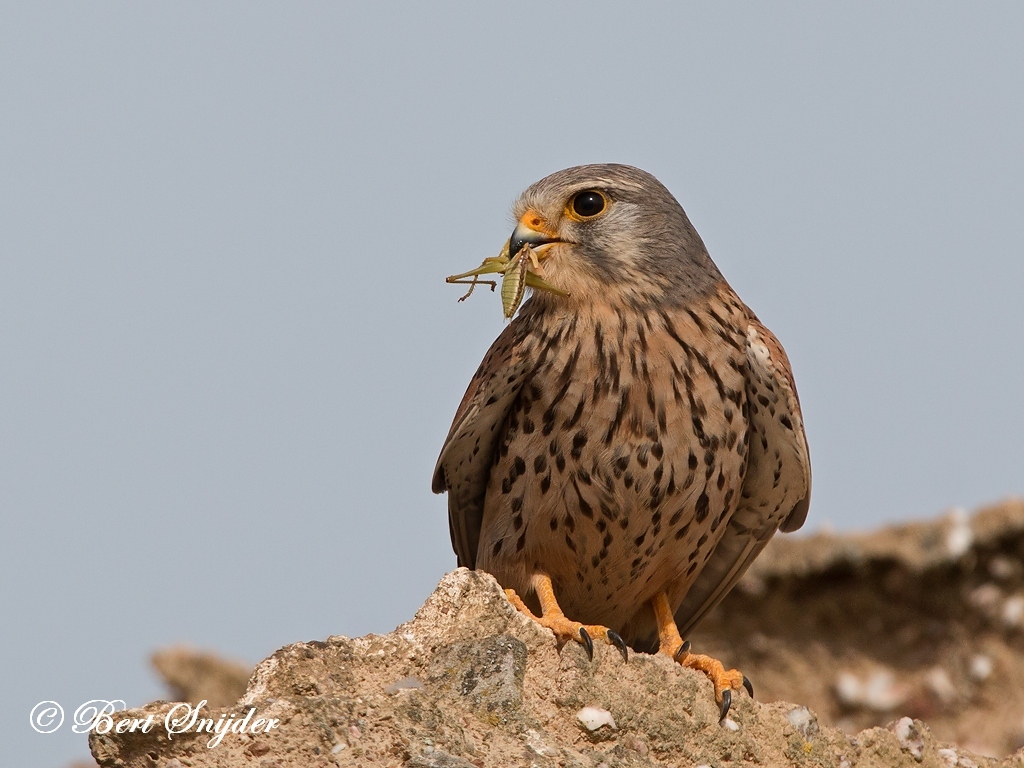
(799, 718)
(909, 737)
(594, 718)
(536, 743)
(405, 684)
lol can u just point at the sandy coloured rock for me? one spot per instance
(194, 675)
(482, 686)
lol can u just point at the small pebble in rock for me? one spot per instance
(536, 743)
(636, 744)
(948, 757)
(981, 667)
(594, 717)
(338, 748)
(730, 724)
(405, 684)
(799, 717)
(804, 721)
(909, 737)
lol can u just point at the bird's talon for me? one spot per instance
(748, 685)
(615, 639)
(563, 628)
(683, 650)
(726, 703)
(587, 643)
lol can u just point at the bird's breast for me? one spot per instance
(621, 458)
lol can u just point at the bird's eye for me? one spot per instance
(589, 204)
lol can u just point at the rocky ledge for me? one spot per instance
(471, 682)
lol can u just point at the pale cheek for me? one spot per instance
(573, 276)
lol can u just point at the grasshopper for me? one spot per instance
(517, 274)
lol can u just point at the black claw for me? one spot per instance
(683, 650)
(619, 643)
(587, 643)
(726, 703)
(748, 686)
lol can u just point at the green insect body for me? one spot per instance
(513, 283)
(517, 275)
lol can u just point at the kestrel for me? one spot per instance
(631, 442)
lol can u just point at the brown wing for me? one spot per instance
(468, 452)
(777, 485)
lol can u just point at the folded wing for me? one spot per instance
(777, 484)
(467, 456)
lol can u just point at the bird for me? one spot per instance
(633, 438)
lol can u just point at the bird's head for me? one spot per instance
(611, 233)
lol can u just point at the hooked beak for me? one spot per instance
(531, 230)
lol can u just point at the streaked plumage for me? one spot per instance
(642, 435)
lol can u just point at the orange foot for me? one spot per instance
(565, 629)
(672, 645)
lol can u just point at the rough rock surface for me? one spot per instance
(471, 682)
(193, 675)
(923, 620)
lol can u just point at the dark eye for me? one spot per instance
(588, 204)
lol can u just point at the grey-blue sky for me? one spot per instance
(228, 354)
